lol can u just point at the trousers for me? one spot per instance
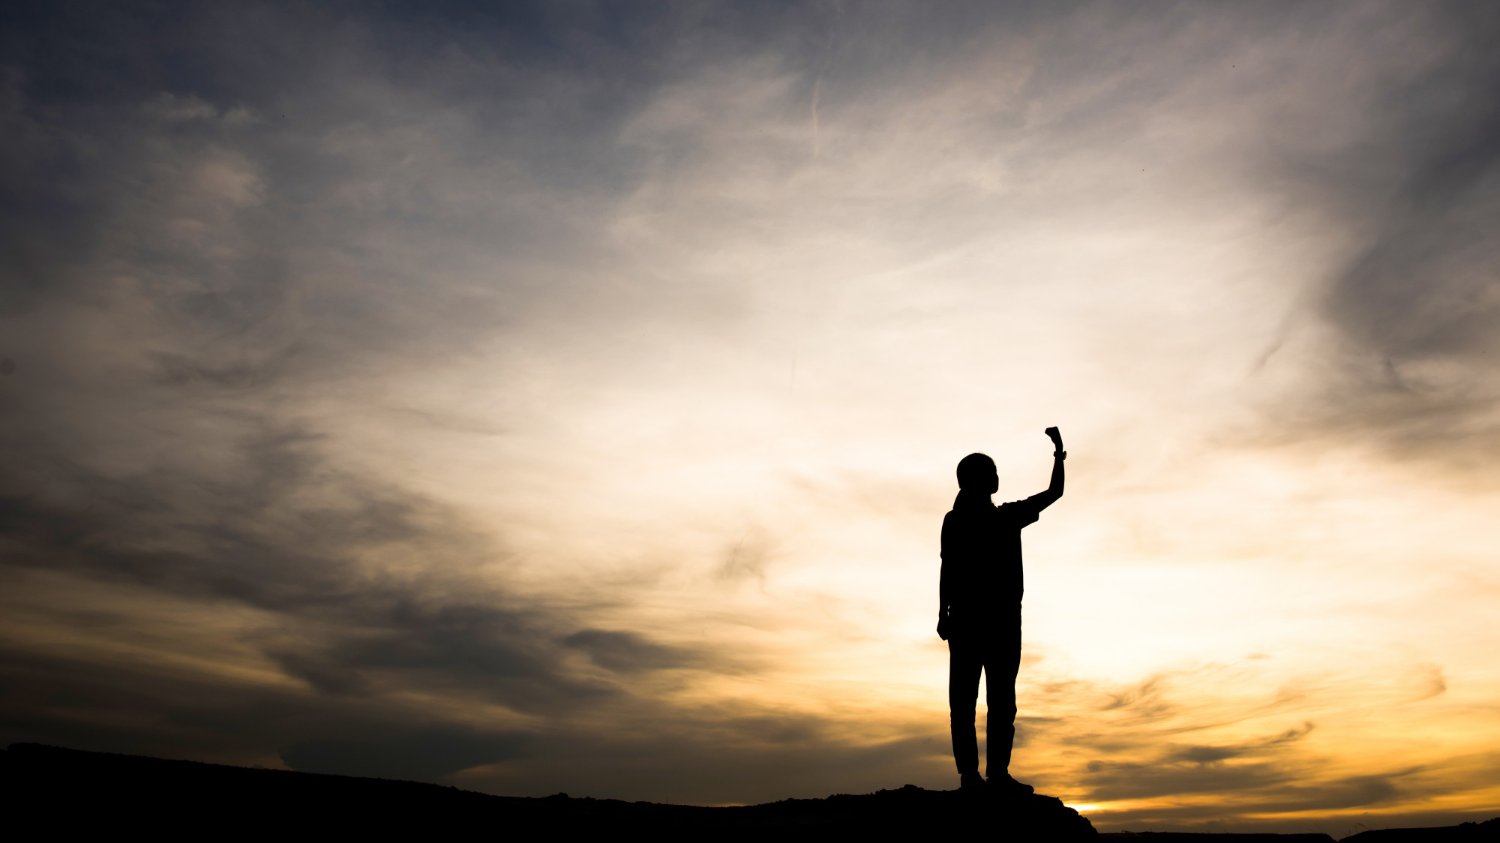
(997, 653)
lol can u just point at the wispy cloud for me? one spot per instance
(565, 397)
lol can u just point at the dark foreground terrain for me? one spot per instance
(69, 791)
(66, 791)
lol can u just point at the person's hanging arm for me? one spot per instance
(943, 588)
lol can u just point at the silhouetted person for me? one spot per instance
(980, 616)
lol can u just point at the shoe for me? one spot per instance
(971, 782)
(1003, 783)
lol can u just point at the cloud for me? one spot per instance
(747, 559)
(1143, 703)
(390, 389)
(1248, 769)
(1203, 754)
(368, 599)
(627, 652)
(423, 755)
(1410, 307)
(203, 253)
(1155, 754)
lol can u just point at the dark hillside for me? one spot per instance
(73, 791)
(67, 792)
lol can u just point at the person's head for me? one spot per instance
(976, 473)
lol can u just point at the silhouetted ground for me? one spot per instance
(1217, 837)
(1489, 831)
(65, 791)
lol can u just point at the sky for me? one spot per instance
(566, 396)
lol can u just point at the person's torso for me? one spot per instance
(984, 545)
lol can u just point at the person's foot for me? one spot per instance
(1004, 784)
(970, 782)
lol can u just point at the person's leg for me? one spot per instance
(1002, 661)
(964, 664)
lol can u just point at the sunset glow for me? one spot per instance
(567, 398)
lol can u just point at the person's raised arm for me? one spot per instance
(1055, 488)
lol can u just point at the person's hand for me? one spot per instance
(942, 629)
(1055, 436)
